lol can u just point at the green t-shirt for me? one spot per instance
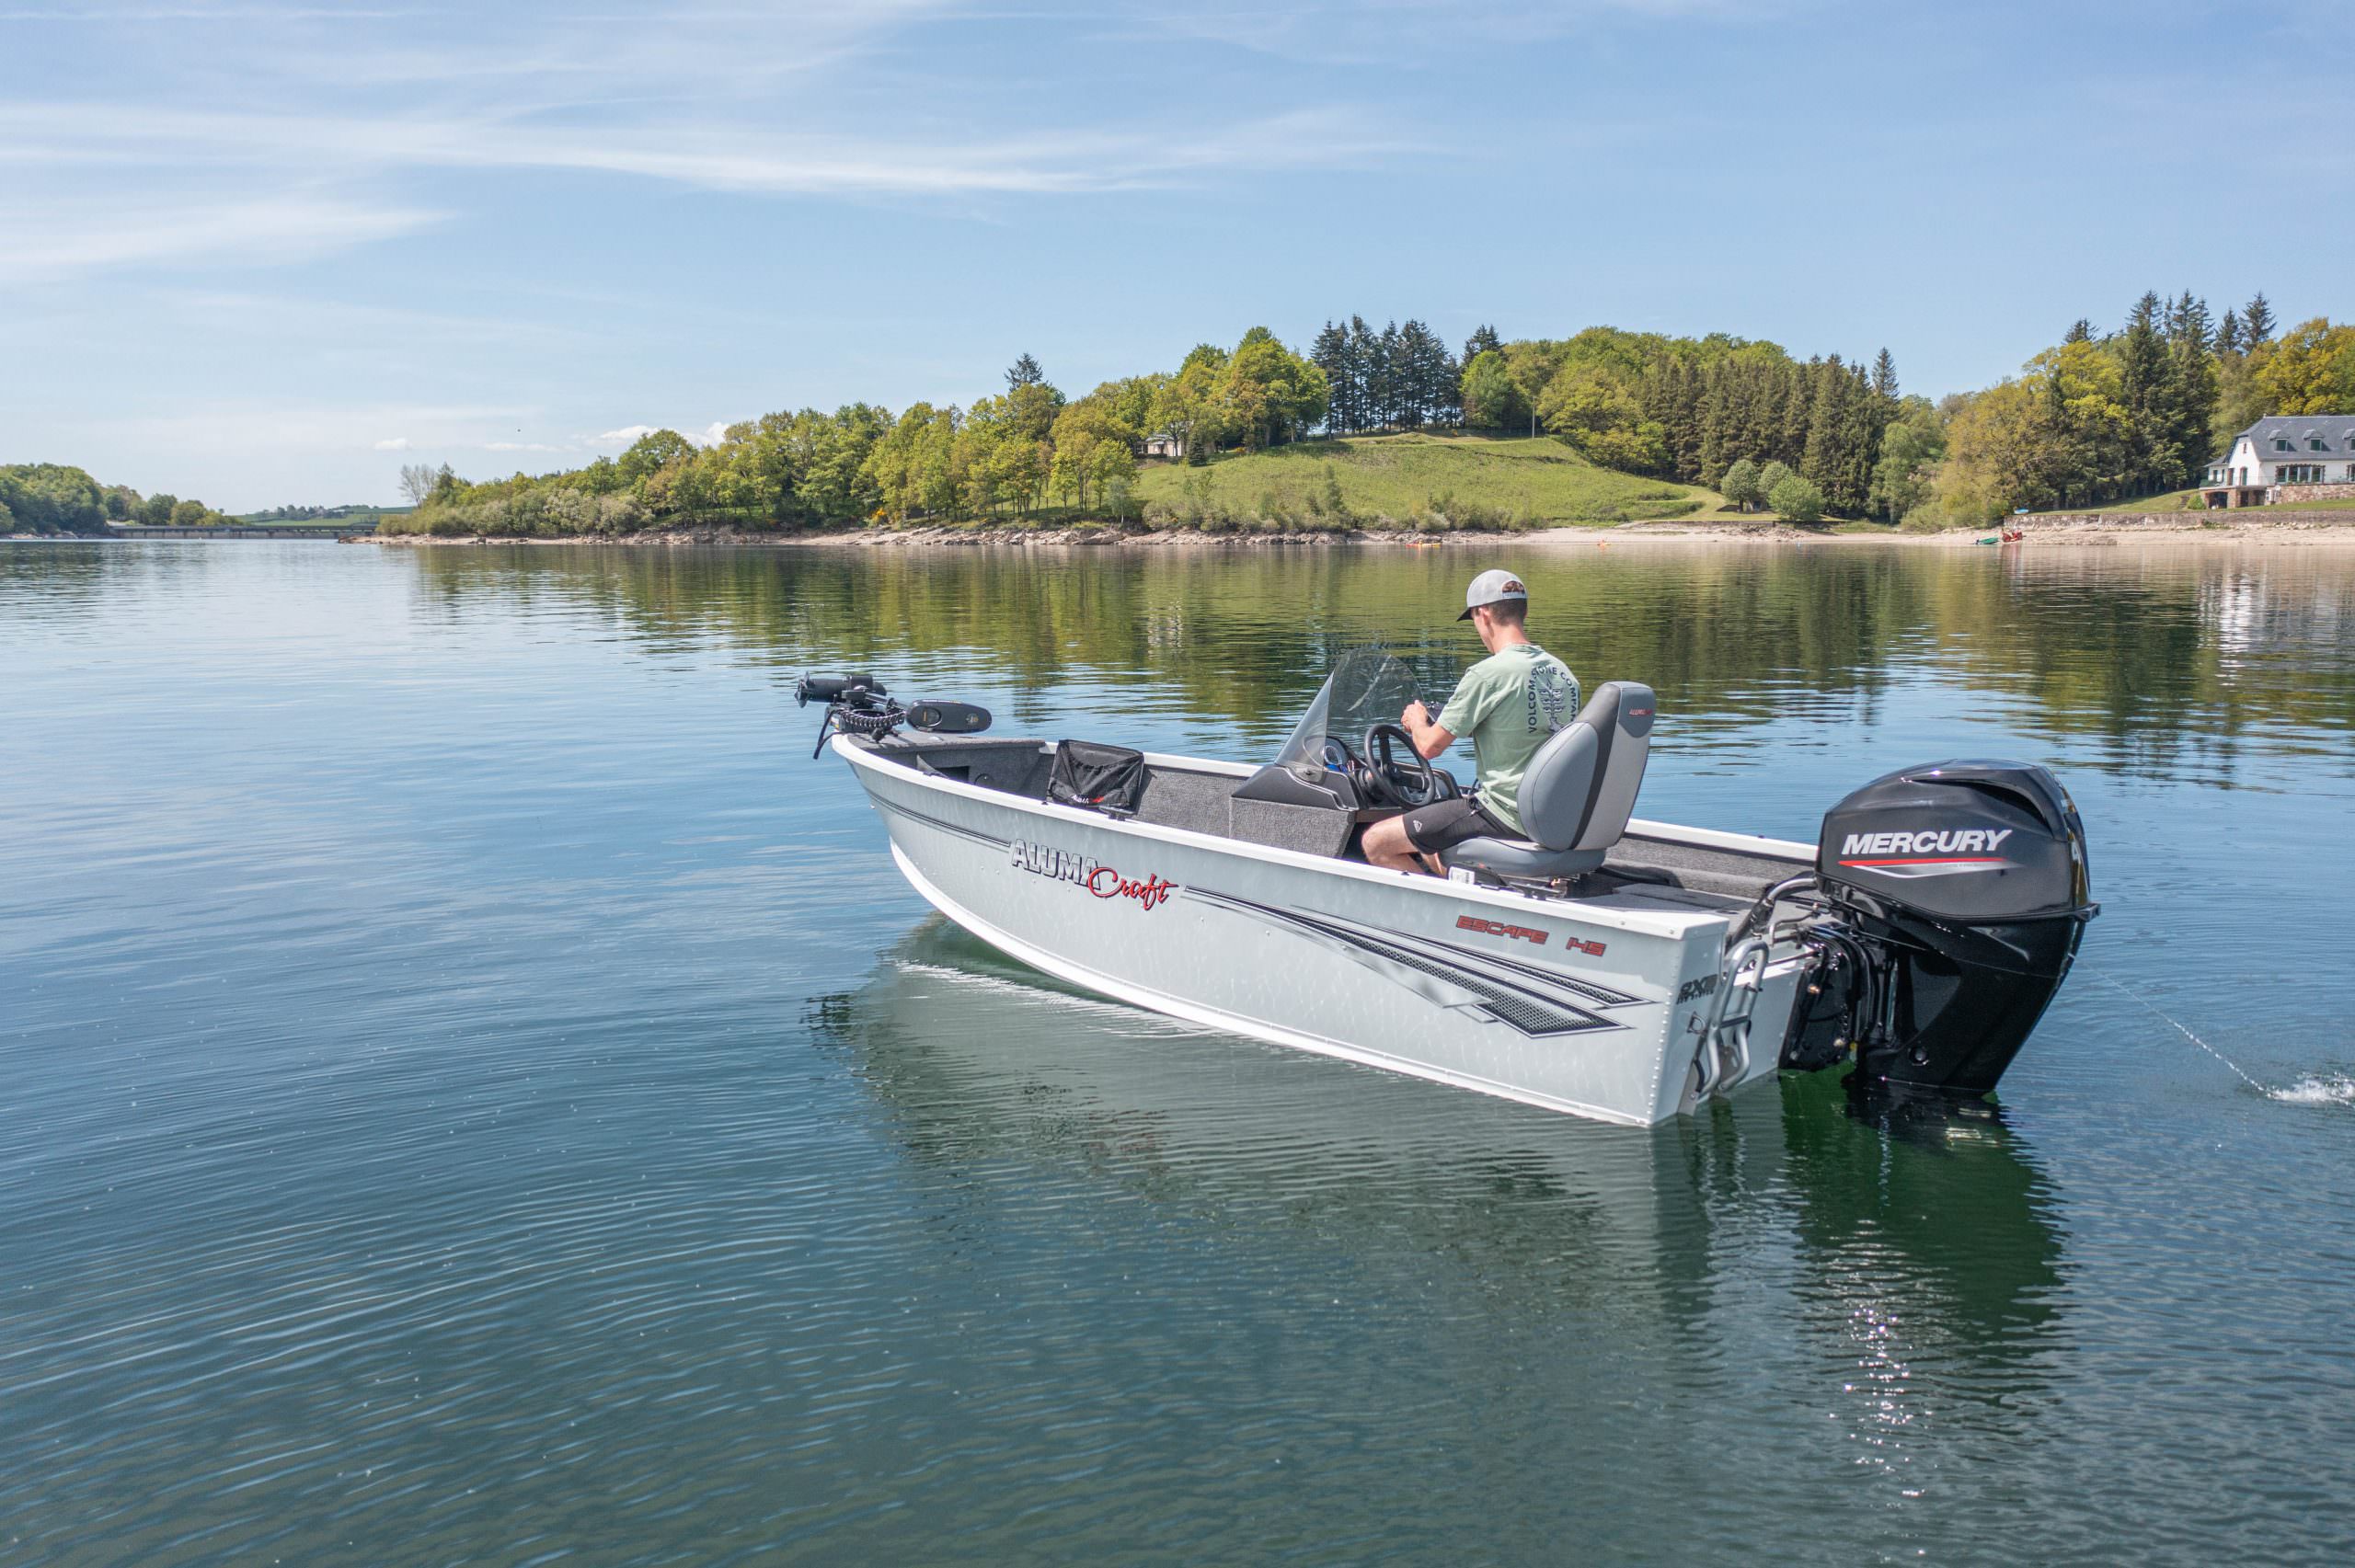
(1508, 702)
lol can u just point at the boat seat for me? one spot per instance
(1578, 793)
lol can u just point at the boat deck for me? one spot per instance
(1655, 865)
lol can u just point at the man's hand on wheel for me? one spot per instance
(1416, 717)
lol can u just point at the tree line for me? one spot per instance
(51, 498)
(2100, 416)
(1401, 378)
(1009, 453)
(2104, 416)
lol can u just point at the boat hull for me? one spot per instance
(1580, 1006)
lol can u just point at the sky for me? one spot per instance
(265, 253)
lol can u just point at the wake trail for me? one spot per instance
(2335, 1090)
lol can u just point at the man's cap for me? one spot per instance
(1492, 587)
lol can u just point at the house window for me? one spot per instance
(2282, 443)
(2315, 443)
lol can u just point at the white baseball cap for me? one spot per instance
(1493, 587)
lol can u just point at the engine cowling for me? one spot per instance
(1960, 891)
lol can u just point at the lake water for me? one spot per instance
(472, 1090)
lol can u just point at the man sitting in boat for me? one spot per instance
(1508, 702)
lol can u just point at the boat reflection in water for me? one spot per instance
(1899, 1267)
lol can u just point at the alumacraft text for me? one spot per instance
(1044, 860)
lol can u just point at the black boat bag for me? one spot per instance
(1104, 778)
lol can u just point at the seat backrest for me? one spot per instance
(1580, 789)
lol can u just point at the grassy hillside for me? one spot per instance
(1414, 481)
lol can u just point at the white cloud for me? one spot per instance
(614, 441)
(519, 446)
(393, 443)
(62, 238)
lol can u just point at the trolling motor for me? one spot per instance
(859, 704)
(1946, 905)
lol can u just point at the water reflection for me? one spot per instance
(2126, 651)
(1916, 1254)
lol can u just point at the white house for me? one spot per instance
(2286, 458)
(1161, 443)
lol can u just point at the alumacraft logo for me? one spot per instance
(1044, 860)
(1929, 849)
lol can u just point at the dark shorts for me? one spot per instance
(1444, 824)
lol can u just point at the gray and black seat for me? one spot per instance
(1578, 793)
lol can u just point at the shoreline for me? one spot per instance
(2091, 530)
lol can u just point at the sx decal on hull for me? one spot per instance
(1539, 1002)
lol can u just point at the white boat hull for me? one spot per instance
(1595, 1007)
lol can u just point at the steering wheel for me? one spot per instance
(1409, 783)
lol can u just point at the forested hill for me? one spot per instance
(2096, 417)
(50, 498)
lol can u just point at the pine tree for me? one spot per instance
(1820, 459)
(1483, 338)
(1023, 371)
(2080, 331)
(1330, 353)
(2257, 320)
(1365, 349)
(1381, 378)
(1418, 373)
(2228, 333)
(2142, 364)
(1885, 377)
(1443, 379)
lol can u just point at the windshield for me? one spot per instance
(1368, 686)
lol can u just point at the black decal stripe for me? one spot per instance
(1600, 996)
(957, 827)
(1523, 996)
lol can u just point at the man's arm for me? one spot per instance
(1431, 738)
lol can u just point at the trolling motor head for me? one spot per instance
(1955, 897)
(831, 688)
(859, 704)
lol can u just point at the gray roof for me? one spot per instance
(2335, 431)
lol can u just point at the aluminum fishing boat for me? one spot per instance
(1605, 965)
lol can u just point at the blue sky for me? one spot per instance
(265, 253)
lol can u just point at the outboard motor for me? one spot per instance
(1955, 898)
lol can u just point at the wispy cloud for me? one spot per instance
(72, 235)
(710, 156)
(394, 443)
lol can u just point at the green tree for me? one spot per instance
(157, 513)
(1910, 447)
(2311, 370)
(1186, 404)
(1774, 474)
(652, 452)
(1023, 371)
(51, 498)
(189, 514)
(2257, 320)
(1740, 484)
(1491, 399)
(1796, 500)
(1094, 448)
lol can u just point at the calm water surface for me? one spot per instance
(473, 1091)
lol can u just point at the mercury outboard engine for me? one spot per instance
(1954, 897)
